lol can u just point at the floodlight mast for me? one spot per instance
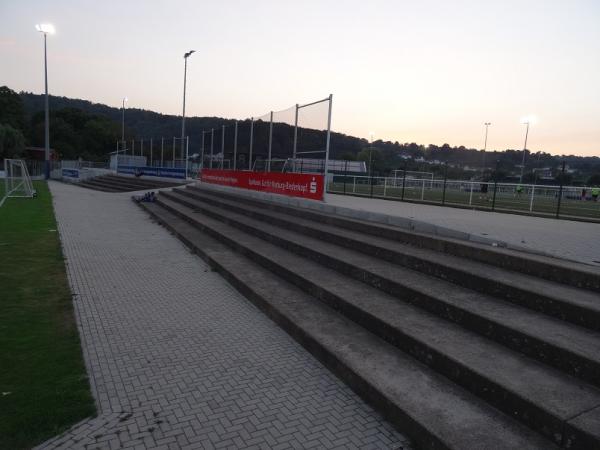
(487, 124)
(46, 29)
(185, 58)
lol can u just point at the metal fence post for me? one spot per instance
(268, 167)
(202, 153)
(560, 190)
(251, 139)
(235, 146)
(445, 180)
(403, 181)
(532, 195)
(327, 143)
(345, 172)
(495, 187)
(295, 139)
(212, 139)
(222, 147)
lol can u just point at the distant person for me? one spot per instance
(583, 193)
(138, 172)
(519, 190)
(483, 189)
(595, 192)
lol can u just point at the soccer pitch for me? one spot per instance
(505, 201)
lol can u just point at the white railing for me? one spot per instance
(574, 201)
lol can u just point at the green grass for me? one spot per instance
(43, 383)
(506, 201)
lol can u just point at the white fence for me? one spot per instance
(574, 201)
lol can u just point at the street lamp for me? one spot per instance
(487, 124)
(125, 99)
(46, 28)
(185, 58)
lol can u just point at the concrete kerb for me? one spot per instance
(386, 219)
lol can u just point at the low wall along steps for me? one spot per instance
(459, 344)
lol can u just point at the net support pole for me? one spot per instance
(328, 140)
(235, 131)
(202, 153)
(251, 139)
(173, 151)
(270, 142)
(187, 150)
(212, 139)
(295, 139)
(560, 190)
(141, 147)
(222, 146)
(133, 147)
(151, 160)
(162, 151)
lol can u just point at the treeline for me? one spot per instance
(79, 128)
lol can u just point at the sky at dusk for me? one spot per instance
(429, 71)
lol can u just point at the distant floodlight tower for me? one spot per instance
(185, 58)
(125, 99)
(487, 124)
(46, 29)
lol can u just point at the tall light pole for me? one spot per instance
(526, 122)
(185, 58)
(371, 134)
(487, 124)
(46, 29)
(123, 123)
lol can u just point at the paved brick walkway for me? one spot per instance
(178, 359)
(577, 241)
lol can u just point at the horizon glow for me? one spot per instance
(430, 72)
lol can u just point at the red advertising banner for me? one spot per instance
(293, 184)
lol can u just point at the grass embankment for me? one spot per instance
(43, 383)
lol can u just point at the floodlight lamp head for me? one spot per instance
(529, 120)
(46, 28)
(125, 99)
(189, 53)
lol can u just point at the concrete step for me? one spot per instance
(147, 182)
(124, 183)
(98, 186)
(543, 398)
(560, 344)
(563, 301)
(553, 269)
(431, 409)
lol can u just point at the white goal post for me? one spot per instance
(412, 175)
(17, 182)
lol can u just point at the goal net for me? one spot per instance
(17, 182)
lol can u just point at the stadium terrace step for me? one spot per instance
(433, 410)
(541, 372)
(567, 347)
(563, 301)
(539, 396)
(115, 183)
(566, 272)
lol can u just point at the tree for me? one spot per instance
(12, 111)
(12, 142)
(594, 180)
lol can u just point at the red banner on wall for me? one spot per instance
(293, 184)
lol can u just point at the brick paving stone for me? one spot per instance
(177, 358)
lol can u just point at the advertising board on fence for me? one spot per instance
(293, 184)
(165, 172)
(70, 173)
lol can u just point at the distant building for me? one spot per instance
(543, 173)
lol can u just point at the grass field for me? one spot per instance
(43, 383)
(507, 201)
